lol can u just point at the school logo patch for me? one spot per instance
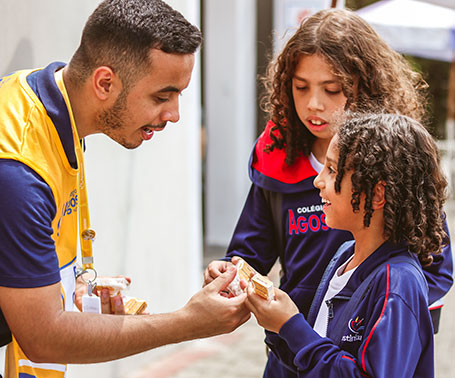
(356, 327)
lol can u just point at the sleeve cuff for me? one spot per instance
(298, 333)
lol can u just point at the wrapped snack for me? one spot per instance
(134, 306)
(263, 286)
(115, 284)
(244, 272)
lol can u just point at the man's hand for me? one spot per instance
(216, 268)
(109, 305)
(213, 313)
(47, 333)
(271, 314)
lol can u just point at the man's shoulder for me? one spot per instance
(20, 183)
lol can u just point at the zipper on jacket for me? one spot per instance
(329, 304)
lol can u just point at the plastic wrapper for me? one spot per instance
(116, 285)
(244, 272)
(261, 284)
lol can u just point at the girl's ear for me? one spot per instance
(379, 196)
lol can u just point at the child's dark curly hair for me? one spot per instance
(399, 152)
(372, 76)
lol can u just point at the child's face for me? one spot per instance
(318, 95)
(337, 206)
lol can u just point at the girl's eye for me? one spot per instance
(333, 92)
(300, 88)
(331, 170)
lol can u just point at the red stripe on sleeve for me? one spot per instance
(351, 359)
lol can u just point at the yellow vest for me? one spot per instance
(29, 136)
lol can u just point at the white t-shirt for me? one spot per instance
(337, 283)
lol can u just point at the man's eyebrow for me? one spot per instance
(169, 89)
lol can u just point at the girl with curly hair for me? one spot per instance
(335, 62)
(370, 316)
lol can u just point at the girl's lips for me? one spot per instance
(317, 123)
(325, 206)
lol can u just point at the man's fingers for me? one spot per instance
(117, 305)
(222, 281)
(207, 278)
(105, 301)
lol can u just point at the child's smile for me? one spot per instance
(337, 205)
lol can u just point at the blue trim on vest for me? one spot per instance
(64, 266)
(43, 84)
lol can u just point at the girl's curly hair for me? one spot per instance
(372, 76)
(399, 152)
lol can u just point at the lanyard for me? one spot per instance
(87, 235)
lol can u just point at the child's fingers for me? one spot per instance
(235, 260)
(214, 269)
(253, 299)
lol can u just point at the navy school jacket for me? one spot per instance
(283, 218)
(389, 334)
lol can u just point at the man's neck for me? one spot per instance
(80, 106)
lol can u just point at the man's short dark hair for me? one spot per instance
(121, 33)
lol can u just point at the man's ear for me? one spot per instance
(378, 201)
(105, 83)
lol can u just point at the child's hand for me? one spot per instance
(271, 314)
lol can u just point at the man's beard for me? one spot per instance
(112, 121)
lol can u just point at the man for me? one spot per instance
(134, 60)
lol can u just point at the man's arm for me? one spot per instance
(46, 333)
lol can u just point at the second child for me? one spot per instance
(381, 181)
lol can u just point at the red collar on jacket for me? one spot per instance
(272, 164)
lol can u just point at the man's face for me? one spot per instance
(150, 103)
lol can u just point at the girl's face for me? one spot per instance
(337, 206)
(318, 95)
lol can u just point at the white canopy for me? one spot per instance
(414, 27)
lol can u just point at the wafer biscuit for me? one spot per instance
(263, 286)
(134, 306)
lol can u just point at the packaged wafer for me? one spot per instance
(263, 286)
(244, 272)
(116, 285)
(134, 306)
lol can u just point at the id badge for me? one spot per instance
(91, 303)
